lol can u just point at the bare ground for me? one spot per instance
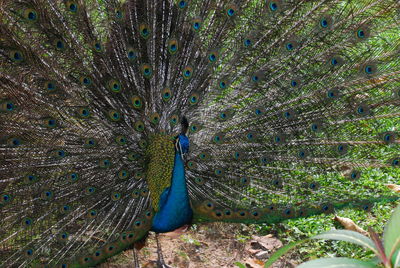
(207, 245)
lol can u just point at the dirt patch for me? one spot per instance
(207, 245)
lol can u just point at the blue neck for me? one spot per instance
(174, 207)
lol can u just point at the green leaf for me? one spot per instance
(396, 259)
(240, 265)
(348, 236)
(337, 263)
(282, 251)
(376, 260)
(391, 235)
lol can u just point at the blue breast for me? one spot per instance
(174, 207)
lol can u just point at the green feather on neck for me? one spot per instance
(160, 155)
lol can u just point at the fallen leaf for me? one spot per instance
(394, 187)
(254, 263)
(262, 255)
(253, 251)
(267, 242)
(348, 224)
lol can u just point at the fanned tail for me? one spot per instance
(290, 108)
(305, 112)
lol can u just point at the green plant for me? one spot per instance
(387, 251)
(240, 265)
(190, 240)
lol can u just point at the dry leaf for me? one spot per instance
(267, 242)
(394, 187)
(348, 224)
(254, 263)
(253, 251)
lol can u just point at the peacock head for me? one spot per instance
(182, 141)
(182, 144)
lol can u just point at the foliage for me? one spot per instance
(387, 251)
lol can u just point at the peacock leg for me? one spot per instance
(136, 263)
(160, 260)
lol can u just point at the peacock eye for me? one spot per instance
(194, 99)
(16, 142)
(137, 102)
(86, 81)
(273, 6)
(187, 72)
(213, 56)
(115, 196)
(199, 180)
(132, 54)
(182, 4)
(166, 94)
(10, 106)
(363, 109)
(50, 86)
(144, 31)
(16, 56)
(31, 15)
(147, 70)
(98, 47)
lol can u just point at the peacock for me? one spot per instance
(121, 117)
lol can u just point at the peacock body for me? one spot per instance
(121, 117)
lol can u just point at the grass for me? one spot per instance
(295, 230)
